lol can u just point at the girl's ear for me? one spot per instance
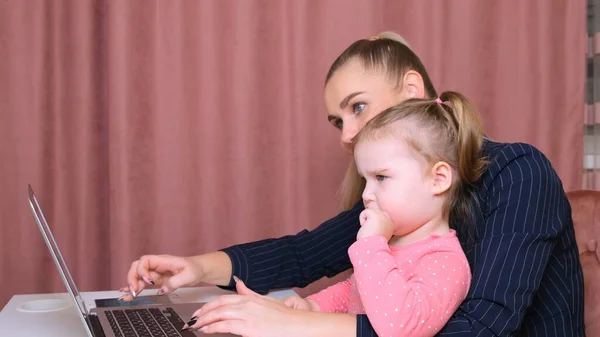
(442, 177)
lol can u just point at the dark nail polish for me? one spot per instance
(191, 322)
(194, 318)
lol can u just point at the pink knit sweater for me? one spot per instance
(408, 290)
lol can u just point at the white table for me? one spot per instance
(66, 323)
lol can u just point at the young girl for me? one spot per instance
(420, 160)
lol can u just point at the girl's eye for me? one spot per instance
(380, 177)
(358, 107)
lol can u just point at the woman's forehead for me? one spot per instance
(351, 79)
(353, 72)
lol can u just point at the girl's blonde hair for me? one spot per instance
(389, 53)
(447, 129)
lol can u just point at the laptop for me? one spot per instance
(150, 317)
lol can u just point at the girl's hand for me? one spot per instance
(374, 222)
(299, 303)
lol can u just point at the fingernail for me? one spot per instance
(148, 280)
(191, 322)
(193, 318)
(185, 327)
(161, 291)
(133, 293)
(236, 279)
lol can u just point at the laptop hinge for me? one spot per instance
(95, 325)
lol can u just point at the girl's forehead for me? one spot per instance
(389, 146)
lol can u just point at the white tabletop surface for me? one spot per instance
(65, 322)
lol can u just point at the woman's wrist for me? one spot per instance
(213, 268)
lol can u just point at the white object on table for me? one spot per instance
(55, 315)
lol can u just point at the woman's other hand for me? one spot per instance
(249, 314)
(246, 314)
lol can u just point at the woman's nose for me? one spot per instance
(347, 139)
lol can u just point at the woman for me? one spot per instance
(527, 278)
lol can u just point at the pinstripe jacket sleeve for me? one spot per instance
(526, 273)
(525, 262)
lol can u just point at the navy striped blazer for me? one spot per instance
(527, 278)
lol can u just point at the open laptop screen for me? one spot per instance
(55, 252)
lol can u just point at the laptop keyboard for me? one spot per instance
(151, 322)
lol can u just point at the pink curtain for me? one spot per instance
(185, 126)
(591, 163)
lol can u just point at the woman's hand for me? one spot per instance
(165, 272)
(168, 272)
(249, 314)
(246, 314)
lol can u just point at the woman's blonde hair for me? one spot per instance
(390, 53)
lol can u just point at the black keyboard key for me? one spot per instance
(130, 333)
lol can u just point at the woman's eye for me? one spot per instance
(338, 123)
(358, 107)
(380, 177)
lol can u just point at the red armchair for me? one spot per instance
(585, 205)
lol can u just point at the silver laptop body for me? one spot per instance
(162, 319)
